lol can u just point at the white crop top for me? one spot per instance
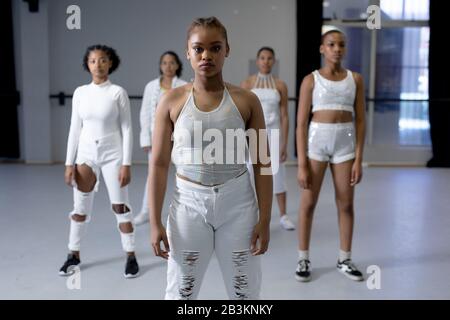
(266, 90)
(333, 95)
(201, 151)
(99, 111)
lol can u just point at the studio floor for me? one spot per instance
(402, 227)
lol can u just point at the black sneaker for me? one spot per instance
(68, 267)
(303, 272)
(347, 268)
(131, 268)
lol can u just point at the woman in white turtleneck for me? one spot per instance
(100, 140)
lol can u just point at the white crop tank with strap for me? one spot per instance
(333, 95)
(202, 150)
(266, 90)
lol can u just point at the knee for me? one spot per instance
(120, 208)
(86, 187)
(123, 217)
(308, 207)
(79, 217)
(126, 227)
(345, 206)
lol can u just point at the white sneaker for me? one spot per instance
(286, 223)
(141, 218)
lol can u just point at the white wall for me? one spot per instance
(140, 31)
(31, 41)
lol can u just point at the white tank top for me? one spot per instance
(266, 90)
(201, 151)
(333, 95)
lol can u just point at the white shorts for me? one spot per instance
(105, 155)
(331, 142)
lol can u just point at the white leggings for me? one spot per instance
(207, 219)
(279, 180)
(105, 156)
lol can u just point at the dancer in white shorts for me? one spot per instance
(335, 136)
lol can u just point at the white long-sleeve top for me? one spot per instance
(98, 111)
(152, 95)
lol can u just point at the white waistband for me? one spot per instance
(113, 136)
(333, 107)
(228, 185)
(324, 125)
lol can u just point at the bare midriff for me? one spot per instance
(332, 116)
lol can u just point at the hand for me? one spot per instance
(356, 173)
(124, 176)
(304, 177)
(69, 175)
(261, 235)
(283, 154)
(158, 234)
(147, 149)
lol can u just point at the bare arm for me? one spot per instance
(284, 120)
(263, 179)
(360, 127)
(159, 168)
(303, 112)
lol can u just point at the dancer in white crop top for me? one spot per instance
(335, 136)
(170, 67)
(273, 95)
(213, 207)
(100, 140)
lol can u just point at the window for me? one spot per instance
(394, 64)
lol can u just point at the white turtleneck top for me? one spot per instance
(98, 111)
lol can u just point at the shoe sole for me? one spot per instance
(131, 276)
(354, 278)
(70, 271)
(302, 279)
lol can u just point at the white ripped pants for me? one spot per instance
(102, 155)
(203, 220)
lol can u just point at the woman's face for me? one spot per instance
(169, 66)
(265, 61)
(99, 64)
(207, 49)
(333, 47)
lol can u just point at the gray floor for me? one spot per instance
(403, 223)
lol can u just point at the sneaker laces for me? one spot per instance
(350, 265)
(303, 265)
